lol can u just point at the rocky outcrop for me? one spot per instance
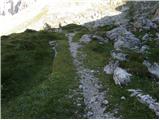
(123, 38)
(145, 99)
(144, 23)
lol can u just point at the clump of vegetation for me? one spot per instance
(153, 53)
(73, 28)
(34, 83)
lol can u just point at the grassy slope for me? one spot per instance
(98, 56)
(34, 87)
(40, 91)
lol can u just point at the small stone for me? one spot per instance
(123, 98)
(105, 102)
(152, 68)
(92, 71)
(89, 113)
(78, 104)
(80, 86)
(145, 37)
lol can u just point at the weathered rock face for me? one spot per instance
(152, 68)
(11, 7)
(121, 76)
(146, 99)
(123, 38)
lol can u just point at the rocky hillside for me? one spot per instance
(56, 13)
(105, 68)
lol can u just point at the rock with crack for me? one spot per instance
(152, 68)
(119, 55)
(121, 76)
(86, 38)
(123, 38)
(109, 69)
(145, 99)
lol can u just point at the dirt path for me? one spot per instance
(94, 98)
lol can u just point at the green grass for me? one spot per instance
(73, 28)
(97, 56)
(153, 53)
(35, 84)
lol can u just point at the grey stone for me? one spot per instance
(78, 104)
(86, 38)
(152, 68)
(109, 69)
(144, 48)
(105, 102)
(123, 98)
(119, 55)
(121, 76)
(145, 23)
(145, 37)
(145, 99)
(123, 38)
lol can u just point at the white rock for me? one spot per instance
(78, 104)
(118, 44)
(145, 37)
(152, 68)
(123, 38)
(121, 76)
(80, 86)
(105, 102)
(123, 98)
(85, 38)
(144, 48)
(92, 71)
(145, 99)
(109, 69)
(118, 55)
